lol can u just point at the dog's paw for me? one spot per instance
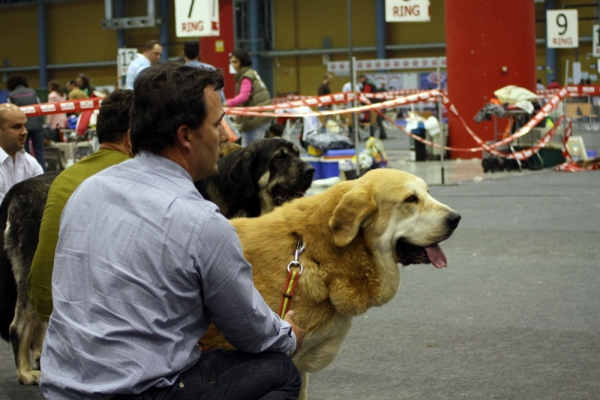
(29, 378)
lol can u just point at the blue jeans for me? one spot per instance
(233, 375)
(253, 134)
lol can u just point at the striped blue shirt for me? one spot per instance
(142, 264)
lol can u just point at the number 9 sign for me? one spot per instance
(562, 29)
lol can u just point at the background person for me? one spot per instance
(324, 90)
(191, 55)
(151, 56)
(20, 94)
(539, 85)
(368, 86)
(83, 82)
(112, 132)
(56, 121)
(136, 289)
(251, 91)
(15, 164)
(275, 130)
(553, 84)
(75, 92)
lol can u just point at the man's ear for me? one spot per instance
(183, 137)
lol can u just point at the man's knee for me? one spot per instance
(289, 376)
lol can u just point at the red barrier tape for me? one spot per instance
(394, 99)
(59, 107)
(430, 95)
(570, 165)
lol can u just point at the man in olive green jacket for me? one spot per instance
(115, 147)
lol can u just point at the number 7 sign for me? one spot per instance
(562, 30)
(195, 18)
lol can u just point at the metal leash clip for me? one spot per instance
(295, 263)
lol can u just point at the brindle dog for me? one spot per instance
(252, 181)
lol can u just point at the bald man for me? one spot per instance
(15, 164)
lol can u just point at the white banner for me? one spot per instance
(195, 18)
(343, 67)
(407, 11)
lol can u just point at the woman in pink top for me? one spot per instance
(56, 120)
(251, 91)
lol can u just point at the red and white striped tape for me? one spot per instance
(70, 106)
(570, 165)
(392, 99)
(430, 95)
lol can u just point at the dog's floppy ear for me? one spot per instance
(351, 211)
(240, 172)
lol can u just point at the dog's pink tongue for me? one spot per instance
(436, 256)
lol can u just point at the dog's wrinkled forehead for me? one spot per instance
(283, 148)
(394, 183)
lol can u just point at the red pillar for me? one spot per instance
(483, 37)
(215, 50)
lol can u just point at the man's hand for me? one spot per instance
(299, 332)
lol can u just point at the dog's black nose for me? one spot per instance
(308, 170)
(453, 219)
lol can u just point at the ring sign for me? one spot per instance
(407, 11)
(596, 40)
(562, 29)
(194, 18)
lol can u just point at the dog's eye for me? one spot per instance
(281, 154)
(412, 199)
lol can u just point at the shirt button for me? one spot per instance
(180, 384)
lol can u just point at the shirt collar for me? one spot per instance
(4, 155)
(164, 162)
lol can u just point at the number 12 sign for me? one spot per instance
(562, 29)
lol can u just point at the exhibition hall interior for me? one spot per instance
(492, 108)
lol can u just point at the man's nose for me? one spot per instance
(223, 135)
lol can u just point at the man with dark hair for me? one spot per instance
(275, 130)
(151, 56)
(191, 55)
(74, 92)
(20, 94)
(15, 164)
(135, 288)
(324, 90)
(112, 131)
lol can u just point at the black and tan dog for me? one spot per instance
(20, 219)
(252, 181)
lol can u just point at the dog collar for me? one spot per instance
(292, 279)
